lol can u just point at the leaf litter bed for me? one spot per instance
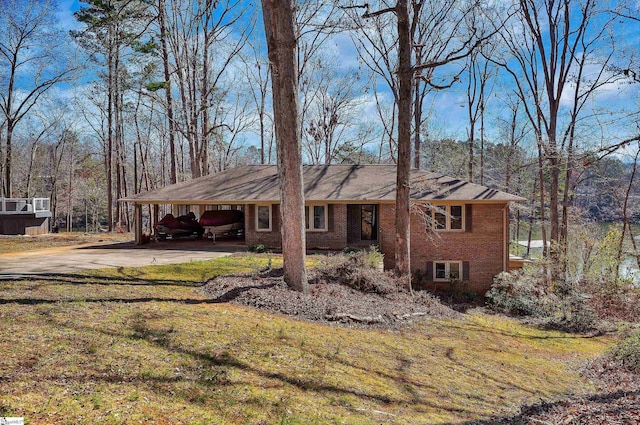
(616, 400)
(328, 301)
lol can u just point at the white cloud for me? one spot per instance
(65, 17)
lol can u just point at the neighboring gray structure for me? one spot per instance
(24, 216)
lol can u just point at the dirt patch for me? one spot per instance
(327, 301)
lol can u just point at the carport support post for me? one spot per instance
(156, 213)
(137, 213)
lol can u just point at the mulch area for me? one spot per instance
(326, 302)
(616, 400)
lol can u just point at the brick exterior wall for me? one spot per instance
(386, 234)
(483, 247)
(335, 238)
(353, 224)
(252, 237)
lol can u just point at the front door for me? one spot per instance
(362, 228)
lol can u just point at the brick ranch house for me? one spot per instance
(459, 230)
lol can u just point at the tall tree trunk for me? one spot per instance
(32, 158)
(118, 137)
(109, 148)
(554, 218)
(10, 121)
(167, 90)
(8, 189)
(625, 218)
(482, 135)
(203, 155)
(262, 127)
(472, 135)
(405, 97)
(542, 197)
(70, 192)
(279, 23)
(417, 127)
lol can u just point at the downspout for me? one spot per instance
(505, 237)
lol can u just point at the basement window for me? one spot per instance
(446, 271)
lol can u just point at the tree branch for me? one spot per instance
(379, 12)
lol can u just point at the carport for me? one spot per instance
(232, 189)
(144, 231)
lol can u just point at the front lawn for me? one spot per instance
(128, 346)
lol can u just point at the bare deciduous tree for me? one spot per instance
(441, 45)
(551, 45)
(29, 40)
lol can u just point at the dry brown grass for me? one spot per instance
(18, 244)
(136, 349)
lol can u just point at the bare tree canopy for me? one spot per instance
(32, 61)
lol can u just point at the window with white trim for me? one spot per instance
(263, 218)
(316, 217)
(446, 271)
(448, 217)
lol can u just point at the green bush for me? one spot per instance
(520, 294)
(627, 351)
(370, 256)
(259, 248)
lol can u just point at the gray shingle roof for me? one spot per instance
(339, 183)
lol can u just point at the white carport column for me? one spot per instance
(137, 222)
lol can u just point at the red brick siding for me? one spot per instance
(335, 238)
(386, 234)
(483, 247)
(353, 221)
(271, 239)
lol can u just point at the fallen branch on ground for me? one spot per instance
(410, 315)
(361, 319)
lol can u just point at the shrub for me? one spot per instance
(574, 313)
(627, 351)
(373, 257)
(525, 294)
(358, 270)
(623, 306)
(520, 294)
(259, 248)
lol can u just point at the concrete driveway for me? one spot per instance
(75, 258)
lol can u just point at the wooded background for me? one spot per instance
(533, 97)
